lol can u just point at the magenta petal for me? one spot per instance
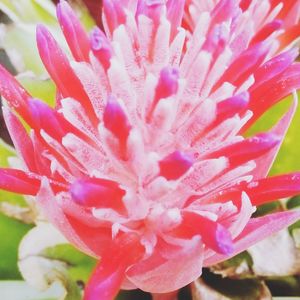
(95, 192)
(248, 149)
(21, 140)
(175, 10)
(101, 47)
(273, 188)
(272, 91)
(18, 181)
(245, 64)
(256, 230)
(266, 31)
(108, 276)
(231, 106)
(58, 67)
(74, 33)
(44, 117)
(175, 165)
(213, 234)
(116, 120)
(167, 83)
(275, 66)
(102, 284)
(14, 93)
(113, 14)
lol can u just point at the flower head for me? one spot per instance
(143, 162)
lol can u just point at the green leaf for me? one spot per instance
(6, 151)
(11, 232)
(293, 202)
(19, 43)
(33, 11)
(41, 89)
(266, 209)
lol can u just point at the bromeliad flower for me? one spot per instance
(143, 162)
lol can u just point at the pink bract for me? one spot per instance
(143, 161)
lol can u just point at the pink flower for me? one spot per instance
(143, 161)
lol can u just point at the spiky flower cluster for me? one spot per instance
(143, 162)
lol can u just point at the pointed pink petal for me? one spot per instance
(273, 188)
(245, 64)
(274, 66)
(256, 230)
(290, 12)
(21, 140)
(18, 181)
(272, 91)
(247, 149)
(108, 276)
(14, 93)
(58, 67)
(113, 14)
(175, 10)
(266, 31)
(74, 33)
